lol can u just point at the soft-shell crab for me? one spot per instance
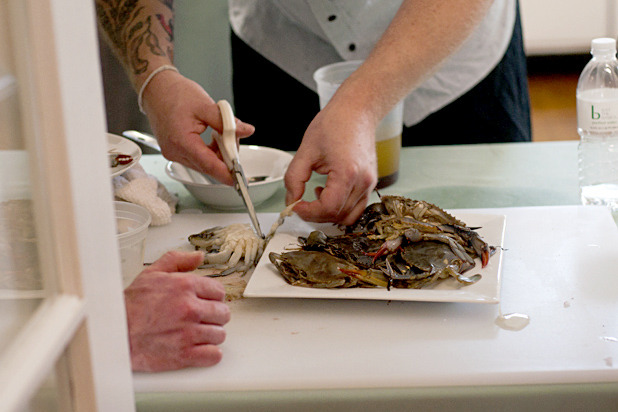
(397, 242)
(236, 247)
(321, 270)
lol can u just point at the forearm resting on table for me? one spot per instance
(421, 36)
(140, 34)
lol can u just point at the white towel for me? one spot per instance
(137, 186)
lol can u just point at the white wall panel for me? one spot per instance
(565, 26)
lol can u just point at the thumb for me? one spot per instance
(298, 174)
(243, 129)
(211, 115)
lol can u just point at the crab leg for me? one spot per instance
(372, 277)
(389, 246)
(455, 247)
(414, 235)
(471, 238)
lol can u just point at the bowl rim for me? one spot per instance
(170, 163)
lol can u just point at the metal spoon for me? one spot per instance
(147, 142)
(255, 179)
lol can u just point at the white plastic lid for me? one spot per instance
(603, 45)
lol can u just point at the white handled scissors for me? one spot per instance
(229, 152)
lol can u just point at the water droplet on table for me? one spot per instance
(512, 321)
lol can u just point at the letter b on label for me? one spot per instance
(595, 115)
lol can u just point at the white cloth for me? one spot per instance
(137, 186)
(300, 36)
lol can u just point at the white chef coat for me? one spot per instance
(299, 36)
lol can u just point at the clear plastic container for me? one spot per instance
(388, 133)
(132, 223)
(597, 125)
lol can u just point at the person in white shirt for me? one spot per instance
(432, 53)
(478, 94)
(428, 52)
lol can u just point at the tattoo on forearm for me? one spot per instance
(168, 26)
(134, 33)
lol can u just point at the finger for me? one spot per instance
(337, 202)
(355, 213)
(192, 152)
(355, 205)
(297, 175)
(208, 335)
(244, 129)
(177, 261)
(204, 159)
(315, 211)
(192, 356)
(202, 311)
(214, 313)
(202, 356)
(215, 168)
(208, 288)
(211, 115)
(331, 201)
(209, 312)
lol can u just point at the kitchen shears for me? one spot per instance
(229, 152)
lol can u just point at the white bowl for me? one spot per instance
(255, 160)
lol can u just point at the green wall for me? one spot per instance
(202, 49)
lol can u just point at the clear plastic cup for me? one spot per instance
(388, 134)
(132, 223)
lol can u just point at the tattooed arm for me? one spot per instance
(141, 33)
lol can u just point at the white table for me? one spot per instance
(560, 268)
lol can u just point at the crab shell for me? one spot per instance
(313, 269)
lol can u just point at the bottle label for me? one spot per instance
(599, 117)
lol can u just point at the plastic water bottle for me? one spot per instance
(597, 125)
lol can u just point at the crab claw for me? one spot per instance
(389, 246)
(468, 280)
(484, 257)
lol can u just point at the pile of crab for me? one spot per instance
(397, 242)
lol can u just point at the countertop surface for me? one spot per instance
(454, 177)
(560, 265)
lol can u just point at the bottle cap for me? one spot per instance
(603, 45)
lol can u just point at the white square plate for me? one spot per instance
(266, 282)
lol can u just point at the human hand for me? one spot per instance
(179, 111)
(175, 319)
(341, 145)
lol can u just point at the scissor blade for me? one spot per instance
(243, 190)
